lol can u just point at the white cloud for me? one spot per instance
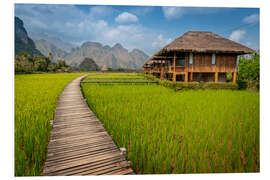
(252, 19)
(177, 12)
(76, 27)
(125, 18)
(173, 12)
(160, 41)
(101, 11)
(142, 10)
(237, 35)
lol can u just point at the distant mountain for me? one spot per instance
(65, 46)
(46, 47)
(22, 40)
(113, 57)
(88, 64)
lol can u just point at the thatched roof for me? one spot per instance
(148, 62)
(206, 42)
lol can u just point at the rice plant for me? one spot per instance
(203, 131)
(36, 96)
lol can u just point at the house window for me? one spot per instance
(213, 58)
(181, 61)
(190, 58)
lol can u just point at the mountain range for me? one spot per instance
(46, 47)
(113, 57)
(22, 41)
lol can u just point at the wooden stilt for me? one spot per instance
(162, 74)
(234, 76)
(174, 65)
(170, 68)
(174, 77)
(186, 76)
(216, 76)
(191, 76)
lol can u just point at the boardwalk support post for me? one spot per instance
(123, 151)
(51, 123)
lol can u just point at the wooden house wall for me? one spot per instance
(203, 63)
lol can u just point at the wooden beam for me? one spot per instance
(216, 76)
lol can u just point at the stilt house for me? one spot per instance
(197, 56)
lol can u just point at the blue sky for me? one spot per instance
(144, 27)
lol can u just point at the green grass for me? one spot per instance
(165, 131)
(36, 97)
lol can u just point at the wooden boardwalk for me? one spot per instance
(79, 144)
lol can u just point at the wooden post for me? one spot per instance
(174, 67)
(216, 76)
(174, 77)
(234, 76)
(170, 68)
(191, 76)
(186, 76)
(162, 72)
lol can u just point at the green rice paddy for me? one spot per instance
(165, 132)
(36, 96)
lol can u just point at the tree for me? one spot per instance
(249, 71)
(24, 63)
(40, 65)
(52, 67)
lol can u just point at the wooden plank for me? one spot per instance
(54, 153)
(126, 171)
(81, 162)
(98, 167)
(78, 157)
(79, 144)
(87, 167)
(71, 153)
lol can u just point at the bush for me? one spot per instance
(242, 84)
(186, 86)
(151, 77)
(249, 72)
(180, 86)
(167, 83)
(219, 85)
(253, 85)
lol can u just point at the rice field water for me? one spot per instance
(36, 96)
(165, 132)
